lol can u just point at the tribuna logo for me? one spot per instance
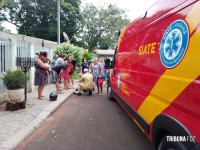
(180, 138)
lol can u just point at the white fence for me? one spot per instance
(12, 46)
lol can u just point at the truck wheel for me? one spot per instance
(168, 145)
(109, 93)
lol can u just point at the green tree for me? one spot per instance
(108, 42)
(87, 55)
(3, 3)
(38, 18)
(101, 24)
(70, 50)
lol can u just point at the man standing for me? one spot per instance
(99, 75)
(53, 63)
(86, 82)
(85, 64)
(60, 61)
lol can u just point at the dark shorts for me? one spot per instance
(57, 78)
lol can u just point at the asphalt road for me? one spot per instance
(87, 123)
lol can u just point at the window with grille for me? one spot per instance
(23, 49)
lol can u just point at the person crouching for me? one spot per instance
(57, 71)
(86, 82)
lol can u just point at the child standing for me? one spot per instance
(64, 75)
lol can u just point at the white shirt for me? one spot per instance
(59, 61)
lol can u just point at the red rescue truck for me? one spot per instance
(155, 73)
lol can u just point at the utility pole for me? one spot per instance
(58, 22)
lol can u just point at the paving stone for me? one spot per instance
(16, 125)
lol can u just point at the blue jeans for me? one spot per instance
(105, 74)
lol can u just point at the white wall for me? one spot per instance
(14, 45)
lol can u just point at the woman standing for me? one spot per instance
(99, 76)
(41, 74)
(71, 69)
(64, 75)
(85, 65)
(94, 72)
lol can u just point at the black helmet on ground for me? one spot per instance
(53, 96)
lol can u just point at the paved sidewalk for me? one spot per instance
(17, 125)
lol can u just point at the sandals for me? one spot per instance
(71, 87)
(59, 92)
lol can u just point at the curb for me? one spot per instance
(17, 138)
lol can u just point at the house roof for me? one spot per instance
(29, 39)
(105, 52)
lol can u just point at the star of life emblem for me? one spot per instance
(174, 43)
